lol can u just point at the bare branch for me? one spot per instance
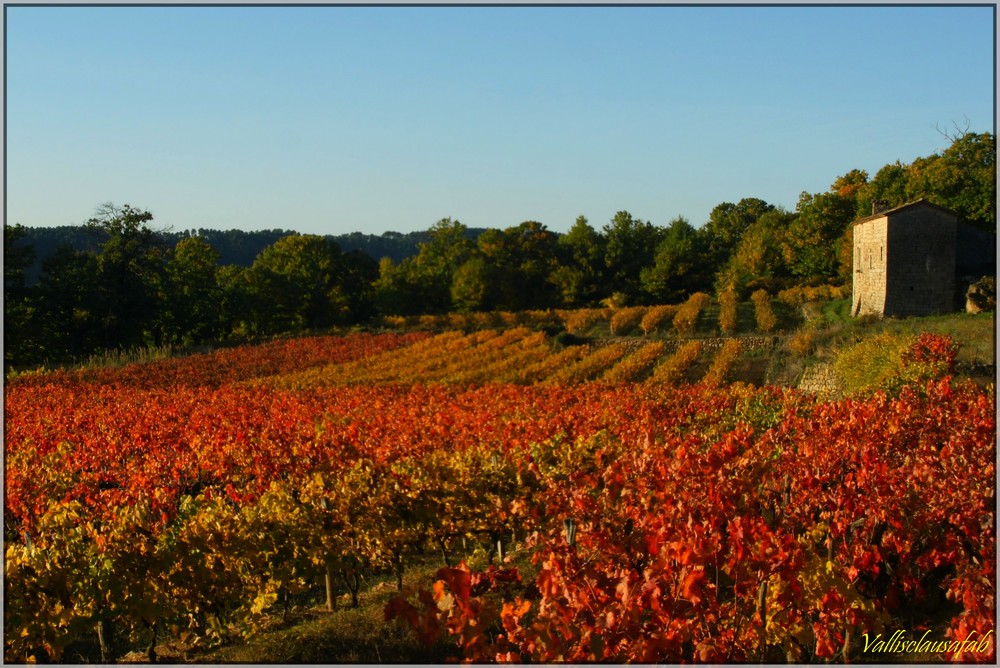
(958, 133)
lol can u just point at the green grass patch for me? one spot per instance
(974, 332)
(346, 635)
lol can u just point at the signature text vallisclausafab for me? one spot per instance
(900, 643)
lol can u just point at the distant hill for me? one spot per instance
(237, 247)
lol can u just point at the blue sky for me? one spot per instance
(337, 119)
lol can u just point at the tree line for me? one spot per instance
(239, 247)
(135, 286)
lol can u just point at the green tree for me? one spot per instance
(130, 275)
(397, 290)
(726, 224)
(298, 283)
(579, 276)
(520, 261)
(237, 304)
(71, 306)
(887, 187)
(758, 262)
(850, 184)
(962, 178)
(432, 270)
(679, 266)
(812, 245)
(472, 286)
(357, 276)
(631, 244)
(18, 299)
(193, 295)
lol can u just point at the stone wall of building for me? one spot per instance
(920, 268)
(869, 267)
(904, 262)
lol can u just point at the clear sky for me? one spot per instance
(338, 119)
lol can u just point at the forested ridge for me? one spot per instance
(116, 282)
(239, 247)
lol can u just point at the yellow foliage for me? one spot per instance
(803, 341)
(766, 320)
(582, 319)
(635, 364)
(727, 313)
(656, 316)
(791, 613)
(624, 319)
(723, 362)
(687, 315)
(672, 369)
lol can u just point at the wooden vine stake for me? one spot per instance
(762, 603)
(328, 575)
(106, 639)
(569, 526)
(328, 581)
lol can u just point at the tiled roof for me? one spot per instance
(887, 212)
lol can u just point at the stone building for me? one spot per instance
(916, 259)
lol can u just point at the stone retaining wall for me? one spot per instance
(821, 380)
(633, 343)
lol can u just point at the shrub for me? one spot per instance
(801, 294)
(723, 363)
(766, 320)
(587, 367)
(539, 319)
(484, 320)
(888, 362)
(457, 320)
(635, 364)
(656, 316)
(624, 319)
(429, 321)
(687, 315)
(580, 320)
(395, 321)
(547, 366)
(727, 313)
(803, 342)
(930, 356)
(563, 339)
(871, 363)
(509, 318)
(672, 369)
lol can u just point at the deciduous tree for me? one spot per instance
(579, 278)
(888, 187)
(963, 178)
(758, 260)
(131, 275)
(433, 268)
(679, 266)
(811, 245)
(631, 244)
(297, 283)
(727, 223)
(70, 306)
(520, 260)
(18, 307)
(193, 295)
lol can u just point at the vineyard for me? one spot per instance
(586, 503)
